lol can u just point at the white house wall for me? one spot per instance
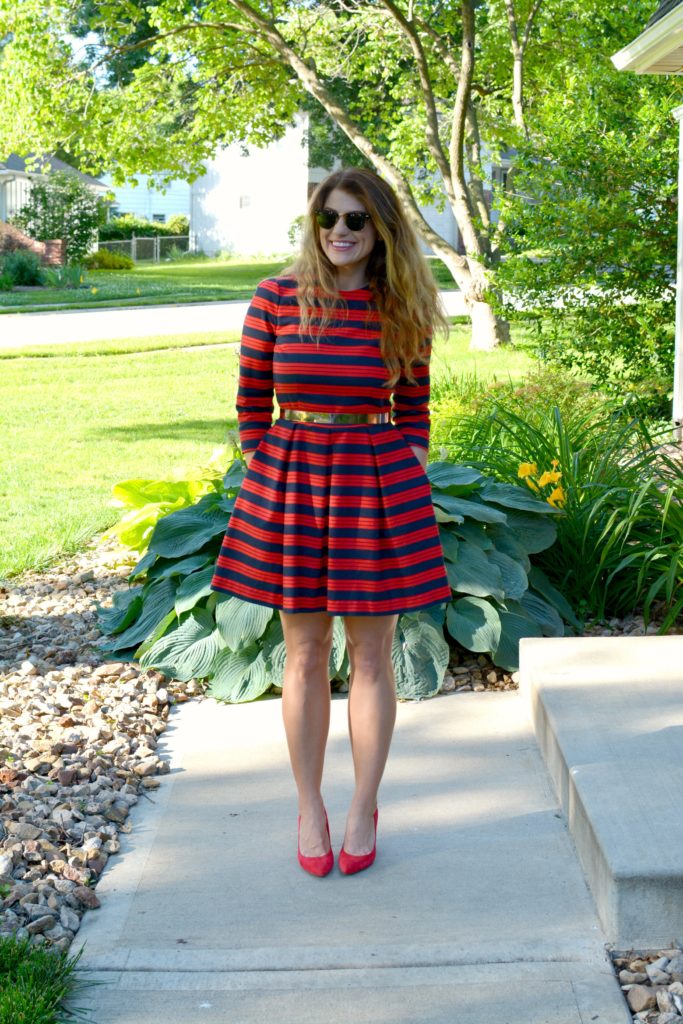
(247, 200)
(146, 201)
(14, 192)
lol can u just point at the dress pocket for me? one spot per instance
(412, 454)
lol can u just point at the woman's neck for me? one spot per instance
(351, 279)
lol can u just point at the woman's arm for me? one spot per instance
(254, 402)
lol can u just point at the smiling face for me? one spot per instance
(348, 251)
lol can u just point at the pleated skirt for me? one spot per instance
(333, 518)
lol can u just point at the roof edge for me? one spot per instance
(651, 45)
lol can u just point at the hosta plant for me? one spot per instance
(171, 620)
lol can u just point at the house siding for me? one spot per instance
(146, 201)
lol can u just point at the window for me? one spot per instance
(159, 217)
(244, 202)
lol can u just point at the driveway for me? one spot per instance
(69, 326)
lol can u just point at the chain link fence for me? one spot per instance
(153, 249)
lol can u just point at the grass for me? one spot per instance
(35, 982)
(192, 280)
(77, 419)
(184, 281)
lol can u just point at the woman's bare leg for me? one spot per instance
(306, 715)
(372, 714)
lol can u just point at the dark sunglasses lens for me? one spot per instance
(355, 221)
(326, 218)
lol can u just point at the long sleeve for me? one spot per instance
(411, 405)
(255, 388)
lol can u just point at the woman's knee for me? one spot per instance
(370, 649)
(308, 640)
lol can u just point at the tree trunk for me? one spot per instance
(488, 330)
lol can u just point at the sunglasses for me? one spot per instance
(355, 221)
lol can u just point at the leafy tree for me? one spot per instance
(62, 205)
(425, 92)
(590, 245)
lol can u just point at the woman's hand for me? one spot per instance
(247, 458)
(421, 455)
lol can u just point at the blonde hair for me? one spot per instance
(398, 276)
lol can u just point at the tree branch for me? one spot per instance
(316, 88)
(433, 138)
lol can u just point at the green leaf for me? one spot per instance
(239, 676)
(473, 573)
(453, 479)
(126, 605)
(543, 613)
(185, 531)
(158, 599)
(449, 544)
(533, 532)
(420, 657)
(540, 582)
(143, 566)
(192, 588)
(338, 646)
(513, 628)
(476, 533)
(512, 496)
(241, 622)
(474, 623)
(179, 566)
(457, 507)
(158, 631)
(506, 541)
(187, 652)
(511, 572)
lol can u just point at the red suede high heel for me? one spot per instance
(319, 866)
(350, 863)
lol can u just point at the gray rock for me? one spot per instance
(641, 997)
(40, 924)
(23, 830)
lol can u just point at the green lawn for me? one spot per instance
(154, 283)
(76, 420)
(190, 280)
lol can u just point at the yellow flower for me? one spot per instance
(555, 463)
(532, 483)
(80, 280)
(94, 291)
(557, 497)
(527, 469)
(548, 478)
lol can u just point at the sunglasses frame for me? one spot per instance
(344, 216)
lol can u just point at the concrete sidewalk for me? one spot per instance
(475, 912)
(69, 326)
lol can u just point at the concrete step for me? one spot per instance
(608, 715)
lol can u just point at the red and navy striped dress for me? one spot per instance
(330, 517)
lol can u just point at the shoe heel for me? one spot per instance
(318, 866)
(350, 864)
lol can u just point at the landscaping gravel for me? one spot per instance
(78, 748)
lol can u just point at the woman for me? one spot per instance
(334, 516)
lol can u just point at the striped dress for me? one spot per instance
(330, 517)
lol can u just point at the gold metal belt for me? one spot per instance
(303, 416)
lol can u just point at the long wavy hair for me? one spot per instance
(398, 276)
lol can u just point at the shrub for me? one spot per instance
(70, 276)
(104, 259)
(122, 228)
(62, 206)
(6, 282)
(174, 622)
(178, 224)
(23, 268)
(620, 536)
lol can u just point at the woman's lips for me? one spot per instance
(342, 246)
